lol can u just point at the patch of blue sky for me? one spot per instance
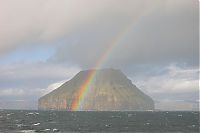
(30, 53)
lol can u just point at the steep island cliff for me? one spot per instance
(110, 90)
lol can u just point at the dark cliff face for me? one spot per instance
(111, 91)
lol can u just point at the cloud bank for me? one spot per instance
(25, 21)
(162, 36)
(173, 88)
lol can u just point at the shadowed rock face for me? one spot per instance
(111, 90)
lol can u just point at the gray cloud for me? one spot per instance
(175, 86)
(21, 84)
(24, 98)
(34, 75)
(161, 31)
(22, 21)
(167, 34)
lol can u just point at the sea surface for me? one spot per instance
(22, 121)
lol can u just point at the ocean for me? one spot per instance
(25, 121)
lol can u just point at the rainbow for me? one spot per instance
(86, 85)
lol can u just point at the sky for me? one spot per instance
(45, 43)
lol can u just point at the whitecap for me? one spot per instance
(116, 116)
(9, 114)
(27, 131)
(55, 130)
(147, 123)
(193, 125)
(108, 125)
(45, 130)
(36, 124)
(19, 125)
(180, 115)
(29, 114)
(37, 113)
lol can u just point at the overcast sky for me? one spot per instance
(45, 43)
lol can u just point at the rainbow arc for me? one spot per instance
(86, 86)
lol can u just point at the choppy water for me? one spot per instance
(63, 121)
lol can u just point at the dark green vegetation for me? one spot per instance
(110, 90)
(47, 121)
